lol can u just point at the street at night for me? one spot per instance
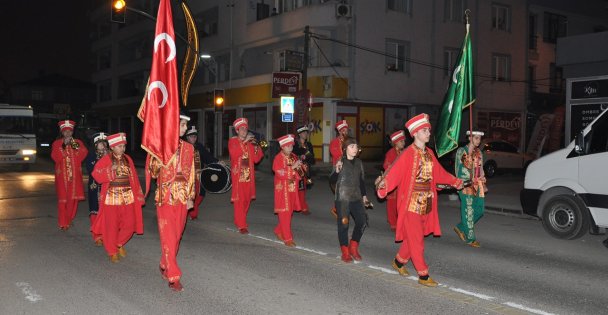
(518, 269)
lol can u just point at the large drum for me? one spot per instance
(215, 178)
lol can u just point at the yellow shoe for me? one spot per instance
(459, 232)
(122, 252)
(474, 244)
(402, 271)
(114, 258)
(99, 243)
(428, 282)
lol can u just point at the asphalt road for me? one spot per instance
(518, 269)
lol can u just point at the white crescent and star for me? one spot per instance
(455, 75)
(170, 42)
(163, 89)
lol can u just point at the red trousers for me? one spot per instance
(197, 203)
(171, 223)
(283, 228)
(92, 218)
(118, 228)
(303, 203)
(391, 210)
(412, 246)
(66, 212)
(241, 205)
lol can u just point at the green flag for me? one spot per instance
(460, 94)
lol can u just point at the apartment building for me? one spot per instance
(373, 63)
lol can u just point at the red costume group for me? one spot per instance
(243, 157)
(68, 154)
(391, 198)
(121, 199)
(286, 197)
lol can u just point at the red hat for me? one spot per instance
(240, 122)
(398, 136)
(286, 140)
(341, 124)
(66, 124)
(117, 138)
(417, 122)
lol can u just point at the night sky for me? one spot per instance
(44, 36)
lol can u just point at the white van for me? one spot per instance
(568, 189)
(17, 137)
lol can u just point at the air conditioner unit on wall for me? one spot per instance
(344, 10)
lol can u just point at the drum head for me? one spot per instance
(215, 178)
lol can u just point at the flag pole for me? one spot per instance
(466, 16)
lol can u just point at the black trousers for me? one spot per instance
(355, 210)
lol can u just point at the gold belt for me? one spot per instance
(426, 186)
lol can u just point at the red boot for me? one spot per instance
(345, 254)
(353, 247)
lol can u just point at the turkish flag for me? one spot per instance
(159, 108)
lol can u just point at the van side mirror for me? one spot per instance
(579, 143)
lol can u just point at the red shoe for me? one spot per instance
(353, 248)
(345, 254)
(243, 231)
(176, 286)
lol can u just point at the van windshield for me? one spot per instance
(16, 125)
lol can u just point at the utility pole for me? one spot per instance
(305, 65)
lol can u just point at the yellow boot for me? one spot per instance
(114, 258)
(429, 282)
(122, 252)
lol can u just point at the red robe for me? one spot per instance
(286, 197)
(401, 177)
(335, 149)
(236, 150)
(391, 198)
(68, 188)
(104, 174)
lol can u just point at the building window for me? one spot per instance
(132, 85)
(397, 53)
(532, 78)
(501, 17)
(282, 6)
(37, 95)
(501, 67)
(449, 60)
(557, 78)
(208, 22)
(403, 6)
(262, 10)
(453, 10)
(134, 49)
(104, 59)
(532, 44)
(104, 92)
(555, 26)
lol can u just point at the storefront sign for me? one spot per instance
(501, 126)
(285, 83)
(582, 115)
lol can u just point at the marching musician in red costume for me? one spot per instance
(398, 141)
(174, 196)
(244, 154)
(68, 154)
(335, 146)
(286, 198)
(120, 200)
(414, 175)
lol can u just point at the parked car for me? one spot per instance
(503, 155)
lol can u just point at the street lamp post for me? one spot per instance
(211, 63)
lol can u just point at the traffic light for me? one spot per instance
(119, 8)
(218, 100)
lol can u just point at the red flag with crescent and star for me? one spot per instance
(159, 110)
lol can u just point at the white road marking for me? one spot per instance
(414, 278)
(527, 309)
(29, 293)
(475, 294)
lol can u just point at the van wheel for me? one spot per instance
(490, 169)
(566, 217)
